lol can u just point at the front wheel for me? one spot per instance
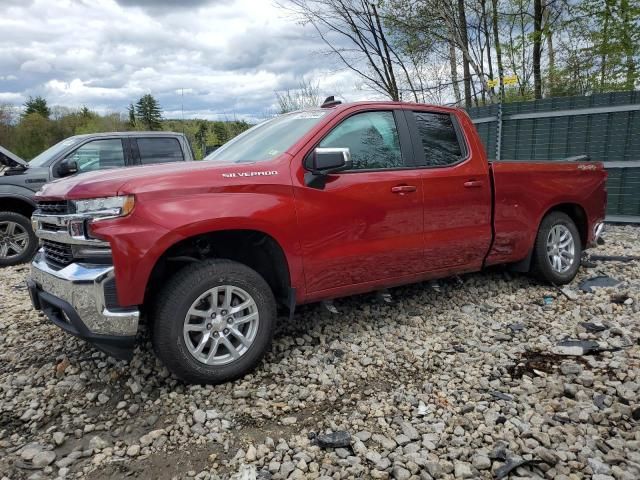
(214, 321)
(18, 242)
(557, 250)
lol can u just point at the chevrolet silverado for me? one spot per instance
(308, 206)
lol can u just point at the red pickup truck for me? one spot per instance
(308, 206)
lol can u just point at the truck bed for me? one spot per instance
(523, 193)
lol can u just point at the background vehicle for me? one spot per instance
(81, 153)
(309, 206)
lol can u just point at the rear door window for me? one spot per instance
(159, 150)
(439, 139)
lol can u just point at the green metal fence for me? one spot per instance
(605, 126)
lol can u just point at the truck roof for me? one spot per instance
(128, 134)
(386, 103)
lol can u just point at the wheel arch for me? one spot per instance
(254, 248)
(576, 213)
(18, 204)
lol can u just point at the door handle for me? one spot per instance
(402, 189)
(473, 184)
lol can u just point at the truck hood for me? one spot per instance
(132, 180)
(11, 160)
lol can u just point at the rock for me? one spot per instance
(199, 416)
(133, 450)
(385, 442)
(251, 454)
(98, 443)
(58, 438)
(481, 462)
(463, 470)
(400, 473)
(410, 431)
(289, 420)
(44, 458)
(135, 388)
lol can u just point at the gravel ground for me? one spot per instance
(458, 379)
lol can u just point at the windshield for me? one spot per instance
(51, 152)
(267, 140)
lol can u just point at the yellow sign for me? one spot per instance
(510, 80)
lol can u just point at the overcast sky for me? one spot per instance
(229, 56)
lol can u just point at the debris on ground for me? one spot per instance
(601, 281)
(516, 327)
(576, 347)
(567, 292)
(512, 464)
(593, 327)
(339, 439)
(619, 298)
(501, 396)
(614, 258)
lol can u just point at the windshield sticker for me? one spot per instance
(312, 114)
(272, 152)
(250, 174)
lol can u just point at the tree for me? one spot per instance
(131, 110)
(148, 112)
(201, 136)
(305, 96)
(221, 133)
(85, 112)
(37, 105)
(353, 29)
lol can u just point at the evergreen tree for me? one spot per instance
(148, 112)
(85, 112)
(221, 132)
(132, 115)
(37, 105)
(201, 136)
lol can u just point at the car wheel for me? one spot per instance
(557, 249)
(214, 321)
(18, 242)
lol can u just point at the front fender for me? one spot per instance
(156, 224)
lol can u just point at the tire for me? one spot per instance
(185, 292)
(547, 268)
(18, 242)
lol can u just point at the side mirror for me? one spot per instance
(325, 161)
(331, 160)
(67, 167)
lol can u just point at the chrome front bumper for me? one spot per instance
(82, 287)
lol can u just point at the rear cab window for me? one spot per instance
(439, 138)
(159, 150)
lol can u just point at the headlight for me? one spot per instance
(106, 207)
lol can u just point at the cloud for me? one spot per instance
(227, 56)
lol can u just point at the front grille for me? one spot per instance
(61, 207)
(58, 255)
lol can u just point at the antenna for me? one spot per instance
(330, 102)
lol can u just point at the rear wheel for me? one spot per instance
(557, 250)
(18, 242)
(214, 321)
